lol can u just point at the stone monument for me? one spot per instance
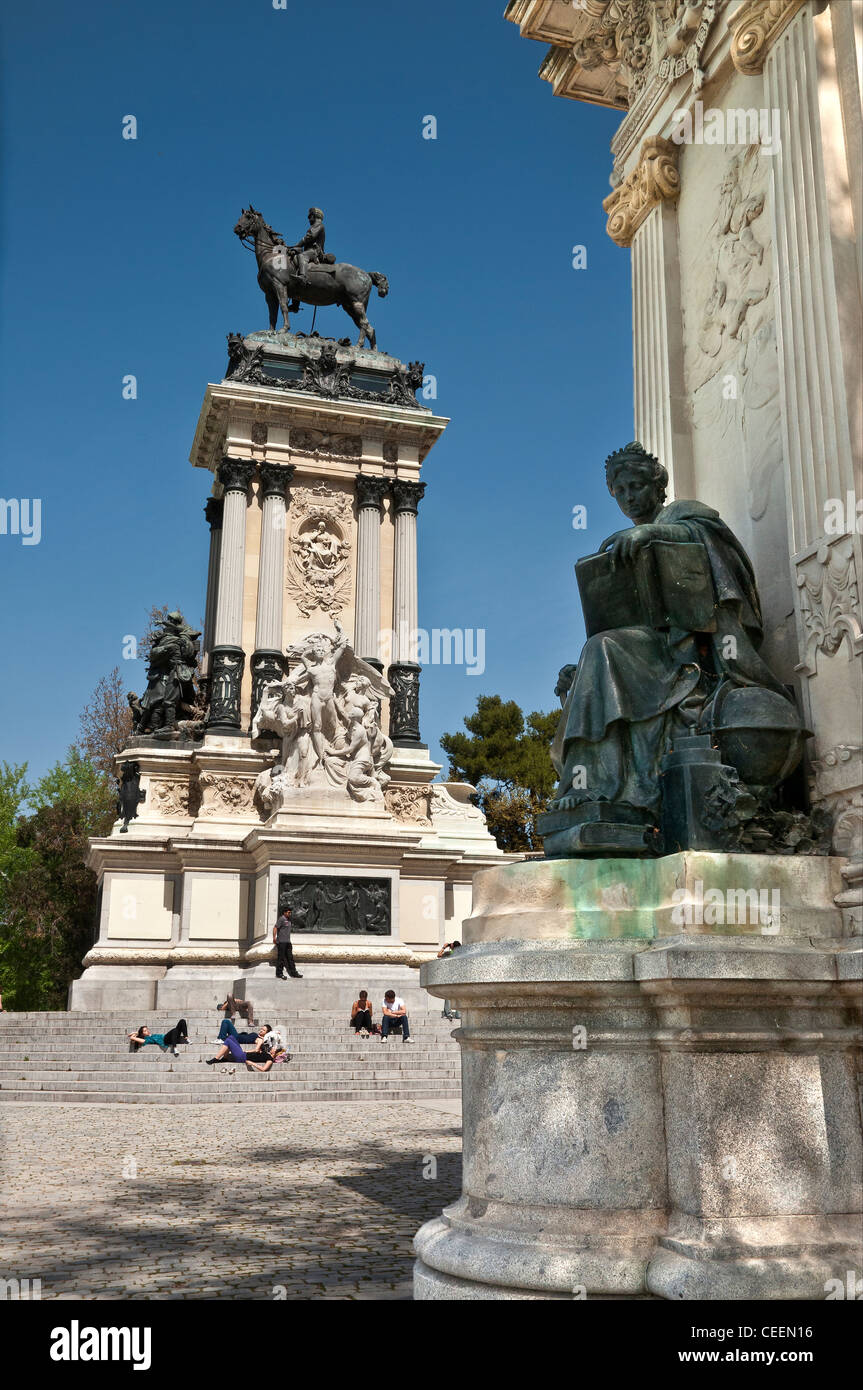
(660, 1023)
(295, 771)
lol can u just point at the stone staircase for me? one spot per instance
(84, 1057)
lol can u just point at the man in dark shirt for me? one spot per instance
(284, 954)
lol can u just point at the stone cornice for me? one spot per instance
(653, 180)
(754, 25)
(225, 403)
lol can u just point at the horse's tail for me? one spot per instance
(380, 282)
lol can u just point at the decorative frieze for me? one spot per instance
(754, 25)
(322, 444)
(653, 180)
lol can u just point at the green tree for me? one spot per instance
(506, 757)
(47, 896)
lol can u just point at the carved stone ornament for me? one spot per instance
(275, 479)
(409, 803)
(235, 475)
(318, 570)
(371, 491)
(172, 797)
(327, 714)
(259, 432)
(653, 180)
(741, 272)
(226, 795)
(754, 25)
(686, 31)
(407, 496)
(324, 445)
(830, 601)
(444, 806)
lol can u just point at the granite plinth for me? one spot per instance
(652, 1108)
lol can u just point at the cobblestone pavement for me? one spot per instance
(219, 1201)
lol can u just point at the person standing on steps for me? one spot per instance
(284, 954)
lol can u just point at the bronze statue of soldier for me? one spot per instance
(170, 677)
(305, 273)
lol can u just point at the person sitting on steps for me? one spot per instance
(361, 1015)
(395, 1017)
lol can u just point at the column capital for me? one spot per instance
(371, 491)
(235, 475)
(275, 478)
(754, 25)
(214, 511)
(407, 495)
(653, 180)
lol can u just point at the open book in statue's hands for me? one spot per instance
(666, 585)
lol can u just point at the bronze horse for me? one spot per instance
(340, 283)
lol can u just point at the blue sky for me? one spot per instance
(118, 257)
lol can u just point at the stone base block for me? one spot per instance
(650, 1115)
(117, 987)
(330, 987)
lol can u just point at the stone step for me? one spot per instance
(199, 1097)
(308, 1073)
(85, 1058)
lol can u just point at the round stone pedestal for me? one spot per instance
(655, 1105)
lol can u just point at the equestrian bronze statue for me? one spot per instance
(305, 273)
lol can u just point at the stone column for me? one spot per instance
(404, 673)
(370, 496)
(826, 548)
(213, 512)
(661, 422)
(227, 657)
(267, 660)
(640, 215)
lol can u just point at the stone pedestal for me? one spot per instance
(659, 1083)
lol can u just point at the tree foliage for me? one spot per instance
(47, 896)
(106, 723)
(506, 757)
